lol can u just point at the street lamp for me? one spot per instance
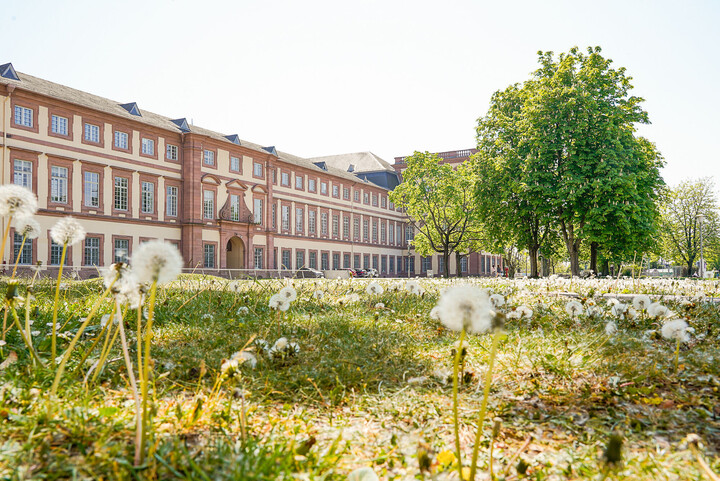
(701, 272)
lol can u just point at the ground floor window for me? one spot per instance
(366, 261)
(463, 264)
(336, 261)
(299, 258)
(312, 258)
(285, 262)
(122, 249)
(346, 261)
(92, 251)
(26, 254)
(258, 258)
(209, 256)
(383, 264)
(441, 265)
(356, 261)
(324, 261)
(55, 253)
(375, 262)
(425, 263)
(391, 263)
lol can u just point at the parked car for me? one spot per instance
(308, 273)
(363, 272)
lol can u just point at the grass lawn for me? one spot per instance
(370, 386)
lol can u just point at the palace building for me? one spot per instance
(129, 175)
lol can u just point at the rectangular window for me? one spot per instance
(383, 232)
(374, 231)
(357, 196)
(258, 211)
(409, 233)
(346, 227)
(323, 223)
(335, 191)
(324, 261)
(208, 157)
(374, 200)
(209, 204)
(273, 215)
(22, 173)
(286, 259)
(26, 255)
(299, 221)
(311, 221)
(148, 146)
(299, 258)
(425, 263)
(346, 193)
(366, 230)
(147, 198)
(234, 207)
(55, 253)
(398, 228)
(92, 133)
(366, 198)
(346, 261)
(92, 251)
(411, 265)
(383, 202)
(323, 188)
(383, 264)
(336, 261)
(92, 189)
(366, 261)
(235, 164)
(391, 264)
(356, 229)
(356, 261)
(335, 225)
(312, 260)
(311, 185)
(23, 116)
(122, 249)
(59, 125)
(285, 217)
(121, 140)
(209, 256)
(375, 262)
(391, 234)
(274, 176)
(171, 201)
(59, 185)
(298, 181)
(441, 265)
(463, 264)
(171, 152)
(258, 258)
(257, 169)
(285, 179)
(121, 193)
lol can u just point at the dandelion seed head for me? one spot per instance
(288, 294)
(374, 289)
(676, 330)
(657, 310)
(156, 261)
(67, 231)
(27, 227)
(611, 328)
(641, 302)
(573, 308)
(17, 201)
(497, 300)
(465, 307)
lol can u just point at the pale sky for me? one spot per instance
(318, 77)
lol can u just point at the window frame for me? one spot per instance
(30, 106)
(68, 166)
(172, 147)
(100, 253)
(99, 171)
(237, 170)
(148, 138)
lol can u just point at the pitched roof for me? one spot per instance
(360, 162)
(95, 102)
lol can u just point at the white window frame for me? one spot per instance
(147, 146)
(59, 124)
(23, 116)
(171, 201)
(234, 207)
(147, 197)
(299, 219)
(22, 171)
(59, 184)
(258, 211)
(208, 205)
(171, 152)
(120, 193)
(91, 133)
(121, 140)
(91, 189)
(234, 163)
(209, 157)
(257, 169)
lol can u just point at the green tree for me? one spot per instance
(690, 208)
(565, 141)
(439, 202)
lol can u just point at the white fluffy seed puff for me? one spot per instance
(287, 293)
(156, 261)
(676, 330)
(17, 201)
(465, 307)
(27, 227)
(67, 231)
(374, 289)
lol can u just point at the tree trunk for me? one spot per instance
(574, 253)
(606, 267)
(458, 258)
(446, 261)
(533, 253)
(594, 247)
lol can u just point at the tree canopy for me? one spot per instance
(558, 154)
(439, 202)
(690, 208)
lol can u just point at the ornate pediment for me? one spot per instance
(210, 179)
(240, 213)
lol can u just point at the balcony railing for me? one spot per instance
(450, 155)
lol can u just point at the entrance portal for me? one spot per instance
(235, 251)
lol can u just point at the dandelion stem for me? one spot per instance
(53, 348)
(146, 363)
(81, 329)
(677, 354)
(483, 408)
(703, 464)
(456, 366)
(22, 334)
(5, 236)
(133, 384)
